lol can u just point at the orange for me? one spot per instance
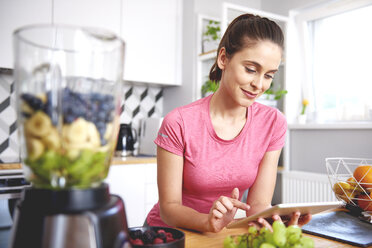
(365, 202)
(363, 174)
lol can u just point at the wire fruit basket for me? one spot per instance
(351, 180)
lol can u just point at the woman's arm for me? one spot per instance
(261, 193)
(173, 213)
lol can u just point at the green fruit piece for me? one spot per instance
(307, 242)
(227, 241)
(252, 230)
(269, 238)
(279, 226)
(266, 245)
(294, 229)
(279, 238)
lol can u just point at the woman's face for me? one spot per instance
(248, 73)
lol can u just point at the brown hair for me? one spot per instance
(244, 31)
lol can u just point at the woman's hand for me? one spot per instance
(295, 219)
(223, 211)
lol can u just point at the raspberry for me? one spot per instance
(169, 235)
(162, 236)
(158, 241)
(161, 231)
(137, 242)
(169, 239)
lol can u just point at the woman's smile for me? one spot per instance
(249, 94)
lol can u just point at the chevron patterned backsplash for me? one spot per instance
(139, 101)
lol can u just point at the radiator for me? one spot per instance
(298, 186)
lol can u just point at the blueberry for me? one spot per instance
(34, 102)
(103, 141)
(149, 236)
(101, 116)
(68, 118)
(109, 117)
(137, 234)
(101, 126)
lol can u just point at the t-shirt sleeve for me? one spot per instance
(279, 132)
(171, 133)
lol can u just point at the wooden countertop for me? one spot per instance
(197, 240)
(133, 160)
(115, 161)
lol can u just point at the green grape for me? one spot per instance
(256, 243)
(306, 242)
(297, 245)
(269, 238)
(294, 229)
(252, 230)
(279, 226)
(266, 245)
(264, 230)
(227, 241)
(293, 238)
(279, 238)
(242, 245)
(238, 239)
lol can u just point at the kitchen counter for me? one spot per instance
(196, 240)
(115, 161)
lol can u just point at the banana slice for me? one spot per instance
(26, 109)
(35, 148)
(108, 132)
(93, 135)
(52, 140)
(77, 132)
(43, 97)
(38, 125)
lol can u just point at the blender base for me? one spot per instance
(84, 218)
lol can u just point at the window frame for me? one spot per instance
(299, 51)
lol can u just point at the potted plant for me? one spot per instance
(211, 36)
(209, 87)
(272, 96)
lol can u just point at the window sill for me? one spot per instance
(334, 125)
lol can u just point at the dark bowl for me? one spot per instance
(178, 235)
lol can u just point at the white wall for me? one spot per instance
(182, 95)
(282, 7)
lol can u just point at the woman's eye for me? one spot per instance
(250, 70)
(269, 76)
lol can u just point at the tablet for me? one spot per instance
(287, 209)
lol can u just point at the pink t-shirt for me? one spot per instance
(212, 166)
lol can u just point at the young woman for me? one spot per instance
(212, 149)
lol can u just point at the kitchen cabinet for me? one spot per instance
(152, 34)
(15, 14)
(136, 185)
(90, 13)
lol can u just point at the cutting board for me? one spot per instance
(340, 226)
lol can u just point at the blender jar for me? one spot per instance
(68, 82)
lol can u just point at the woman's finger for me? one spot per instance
(294, 218)
(240, 204)
(217, 214)
(220, 207)
(227, 203)
(254, 224)
(235, 193)
(277, 217)
(264, 223)
(304, 219)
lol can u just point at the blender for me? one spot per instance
(68, 84)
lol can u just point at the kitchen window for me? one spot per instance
(335, 44)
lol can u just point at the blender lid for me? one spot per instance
(65, 200)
